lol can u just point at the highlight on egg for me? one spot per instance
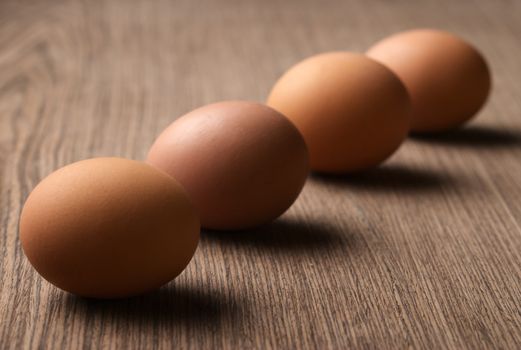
(242, 163)
(109, 228)
(447, 78)
(353, 112)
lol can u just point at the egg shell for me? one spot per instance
(242, 163)
(108, 228)
(352, 111)
(447, 78)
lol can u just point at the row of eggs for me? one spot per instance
(112, 227)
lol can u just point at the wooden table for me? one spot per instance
(424, 252)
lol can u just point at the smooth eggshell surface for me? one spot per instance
(448, 79)
(108, 228)
(242, 163)
(352, 111)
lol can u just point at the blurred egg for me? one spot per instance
(242, 163)
(448, 79)
(108, 228)
(352, 111)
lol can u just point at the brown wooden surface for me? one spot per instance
(424, 252)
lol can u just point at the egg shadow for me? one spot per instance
(195, 307)
(389, 177)
(473, 136)
(285, 235)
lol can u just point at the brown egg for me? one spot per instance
(108, 228)
(448, 79)
(352, 111)
(242, 163)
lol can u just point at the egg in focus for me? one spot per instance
(108, 228)
(242, 163)
(447, 78)
(353, 112)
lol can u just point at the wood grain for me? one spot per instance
(423, 252)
